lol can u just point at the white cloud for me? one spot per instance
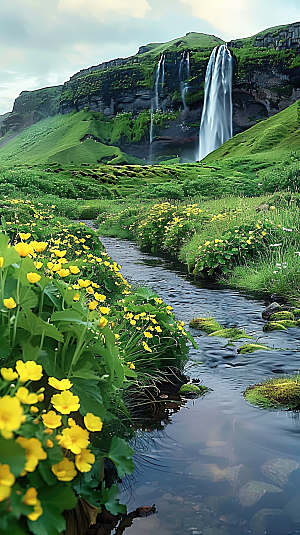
(99, 8)
(242, 18)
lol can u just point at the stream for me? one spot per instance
(219, 466)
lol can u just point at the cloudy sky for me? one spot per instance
(44, 42)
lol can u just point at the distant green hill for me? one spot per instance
(77, 138)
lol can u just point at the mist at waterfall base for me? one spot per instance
(216, 120)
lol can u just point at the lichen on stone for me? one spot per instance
(279, 393)
(250, 348)
(208, 325)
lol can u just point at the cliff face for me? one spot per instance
(266, 81)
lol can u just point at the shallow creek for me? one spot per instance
(219, 466)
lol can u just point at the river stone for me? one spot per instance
(258, 522)
(238, 475)
(271, 309)
(252, 492)
(278, 470)
(219, 449)
(207, 472)
(292, 509)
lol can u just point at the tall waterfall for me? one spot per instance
(216, 120)
(184, 75)
(160, 75)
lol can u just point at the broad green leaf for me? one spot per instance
(46, 473)
(89, 395)
(16, 502)
(36, 326)
(121, 455)
(69, 315)
(11, 453)
(48, 358)
(110, 500)
(54, 500)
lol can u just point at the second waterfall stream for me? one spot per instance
(216, 121)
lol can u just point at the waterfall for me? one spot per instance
(160, 75)
(184, 75)
(216, 120)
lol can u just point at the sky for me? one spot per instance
(44, 42)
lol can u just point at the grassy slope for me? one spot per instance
(57, 139)
(262, 146)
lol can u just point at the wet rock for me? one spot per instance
(253, 491)
(167, 496)
(278, 470)
(271, 309)
(232, 333)
(282, 315)
(258, 522)
(237, 476)
(219, 449)
(208, 325)
(292, 509)
(207, 472)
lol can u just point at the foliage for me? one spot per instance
(69, 316)
(245, 349)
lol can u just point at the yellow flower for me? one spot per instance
(11, 414)
(34, 452)
(84, 283)
(30, 497)
(29, 371)
(1, 261)
(90, 290)
(71, 422)
(169, 308)
(148, 335)
(7, 479)
(41, 397)
(24, 236)
(272, 208)
(33, 409)
(56, 267)
(65, 470)
(74, 270)
(146, 347)
(39, 246)
(74, 438)
(63, 272)
(102, 322)
(25, 396)
(37, 511)
(92, 423)
(24, 249)
(76, 297)
(131, 365)
(50, 265)
(38, 265)
(9, 303)
(5, 492)
(33, 277)
(100, 297)
(158, 329)
(63, 384)
(52, 420)
(8, 374)
(84, 460)
(59, 253)
(49, 443)
(93, 305)
(65, 402)
(104, 310)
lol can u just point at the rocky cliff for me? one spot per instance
(266, 81)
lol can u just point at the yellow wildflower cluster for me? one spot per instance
(22, 405)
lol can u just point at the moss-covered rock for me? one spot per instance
(296, 312)
(274, 326)
(193, 389)
(279, 393)
(282, 315)
(231, 333)
(250, 348)
(208, 325)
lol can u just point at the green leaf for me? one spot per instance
(36, 326)
(46, 473)
(90, 398)
(121, 455)
(11, 453)
(69, 315)
(110, 501)
(54, 500)
(18, 507)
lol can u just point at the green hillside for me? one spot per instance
(64, 139)
(264, 145)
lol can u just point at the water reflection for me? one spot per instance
(220, 466)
